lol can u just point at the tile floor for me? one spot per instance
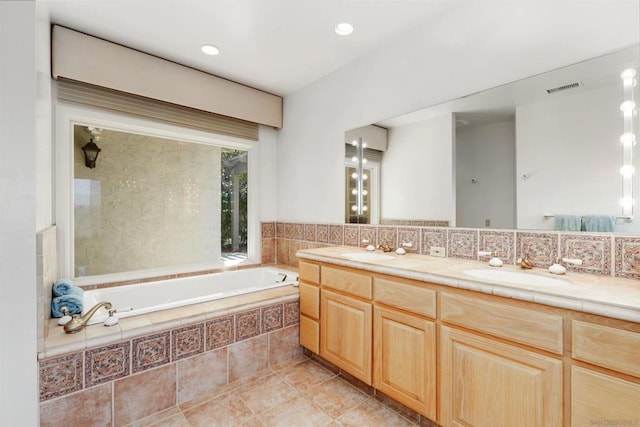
(300, 393)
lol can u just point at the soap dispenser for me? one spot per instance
(557, 268)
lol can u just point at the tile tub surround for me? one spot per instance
(605, 254)
(608, 296)
(134, 378)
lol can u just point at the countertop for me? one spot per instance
(608, 296)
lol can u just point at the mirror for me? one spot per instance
(516, 155)
(149, 202)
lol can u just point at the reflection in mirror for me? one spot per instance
(521, 154)
(152, 203)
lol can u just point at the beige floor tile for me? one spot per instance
(175, 421)
(266, 393)
(157, 418)
(298, 411)
(305, 375)
(228, 410)
(372, 413)
(253, 422)
(335, 397)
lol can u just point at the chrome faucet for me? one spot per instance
(525, 262)
(77, 323)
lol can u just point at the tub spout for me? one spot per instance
(77, 323)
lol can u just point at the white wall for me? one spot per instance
(485, 153)
(569, 146)
(417, 175)
(22, 101)
(454, 55)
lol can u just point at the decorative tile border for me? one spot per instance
(291, 311)
(433, 237)
(368, 235)
(271, 318)
(60, 376)
(298, 232)
(63, 375)
(501, 243)
(106, 363)
(220, 332)
(288, 230)
(187, 341)
(409, 235)
(310, 232)
(627, 257)
(268, 229)
(336, 233)
(322, 231)
(247, 324)
(462, 243)
(542, 248)
(150, 351)
(594, 251)
(351, 235)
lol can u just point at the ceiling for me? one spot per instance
(278, 46)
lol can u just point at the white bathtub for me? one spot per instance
(132, 300)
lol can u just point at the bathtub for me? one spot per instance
(133, 300)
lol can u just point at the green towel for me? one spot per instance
(600, 223)
(568, 222)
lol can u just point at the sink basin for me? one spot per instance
(366, 256)
(516, 278)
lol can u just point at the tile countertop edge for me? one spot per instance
(591, 306)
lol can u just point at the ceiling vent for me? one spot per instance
(564, 87)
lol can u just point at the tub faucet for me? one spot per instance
(77, 323)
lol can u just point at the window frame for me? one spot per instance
(66, 117)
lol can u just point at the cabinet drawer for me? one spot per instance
(607, 347)
(310, 334)
(310, 300)
(407, 297)
(309, 272)
(347, 281)
(517, 324)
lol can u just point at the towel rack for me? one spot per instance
(621, 218)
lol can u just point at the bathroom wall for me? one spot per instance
(581, 175)
(24, 137)
(414, 72)
(485, 153)
(141, 185)
(421, 183)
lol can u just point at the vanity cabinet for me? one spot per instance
(345, 333)
(611, 397)
(485, 382)
(346, 320)
(405, 344)
(465, 358)
(309, 274)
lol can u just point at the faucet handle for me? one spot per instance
(572, 261)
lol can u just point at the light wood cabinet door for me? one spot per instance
(600, 399)
(489, 383)
(345, 333)
(405, 359)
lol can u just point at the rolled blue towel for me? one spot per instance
(73, 302)
(63, 287)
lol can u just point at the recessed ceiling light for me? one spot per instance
(210, 49)
(344, 29)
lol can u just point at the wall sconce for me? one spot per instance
(91, 151)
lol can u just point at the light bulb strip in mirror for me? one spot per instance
(628, 139)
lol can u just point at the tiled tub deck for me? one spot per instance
(148, 364)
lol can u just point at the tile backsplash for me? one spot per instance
(601, 253)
